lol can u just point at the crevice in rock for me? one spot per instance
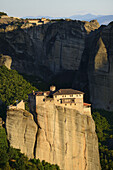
(85, 158)
(35, 145)
(25, 134)
(35, 117)
(66, 148)
(48, 142)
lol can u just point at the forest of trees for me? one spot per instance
(12, 87)
(104, 128)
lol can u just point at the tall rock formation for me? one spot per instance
(65, 137)
(21, 131)
(100, 67)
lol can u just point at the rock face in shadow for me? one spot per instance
(100, 69)
(65, 137)
(47, 49)
(74, 53)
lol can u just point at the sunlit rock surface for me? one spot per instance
(21, 131)
(5, 60)
(65, 136)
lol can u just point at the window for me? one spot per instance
(75, 103)
(63, 96)
(55, 96)
(71, 95)
(60, 101)
(65, 104)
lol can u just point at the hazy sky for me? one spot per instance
(56, 8)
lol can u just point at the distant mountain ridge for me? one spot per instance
(105, 20)
(86, 17)
(102, 19)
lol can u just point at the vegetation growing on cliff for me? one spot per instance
(12, 87)
(104, 129)
(11, 158)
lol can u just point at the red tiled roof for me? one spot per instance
(87, 104)
(40, 93)
(67, 91)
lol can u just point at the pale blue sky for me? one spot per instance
(56, 8)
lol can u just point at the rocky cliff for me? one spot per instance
(65, 137)
(73, 53)
(100, 67)
(46, 49)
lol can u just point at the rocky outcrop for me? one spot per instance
(100, 69)
(21, 131)
(91, 26)
(68, 138)
(47, 49)
(5, 60)
(65, 137)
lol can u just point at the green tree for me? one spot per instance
(12, 87)
(3, 148)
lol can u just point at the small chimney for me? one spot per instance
(52, 88)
